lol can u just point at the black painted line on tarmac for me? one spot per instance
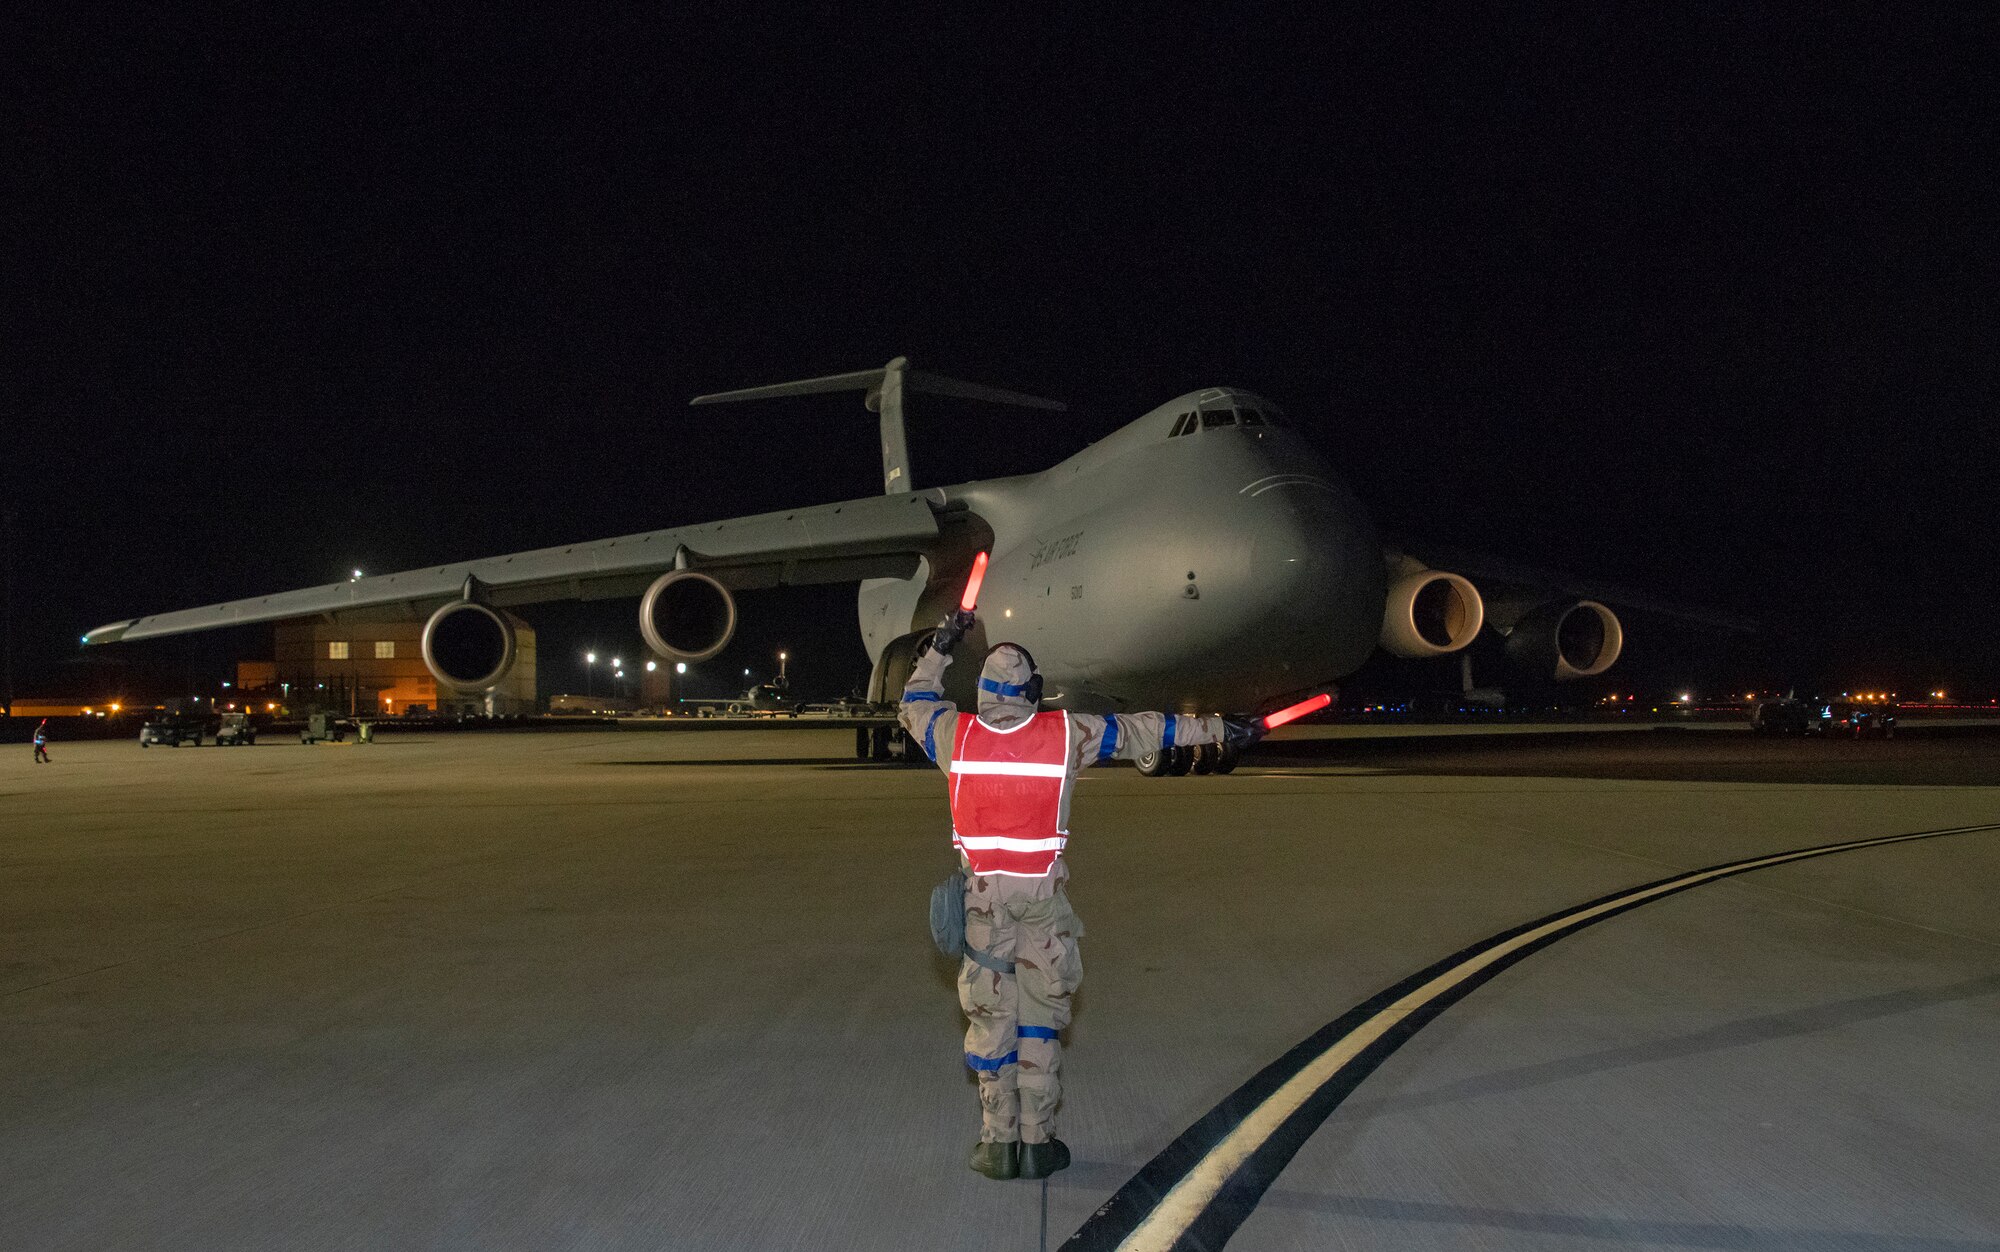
(1204, 1185)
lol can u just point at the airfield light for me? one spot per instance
(746, 673)
(1310, 705)
(357, 576)
(651, 666)
(1007, 613)
(114, 706)
(86, 710)
(616, 663)
(680, 667)
(781, 656)
(1686, 698)
(590, 658)
(270, 708)
(970, 600)
(226, 686)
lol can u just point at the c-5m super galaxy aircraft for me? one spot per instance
(1201, 557)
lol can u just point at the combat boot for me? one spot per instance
(1039, 1160)
(999, 1161)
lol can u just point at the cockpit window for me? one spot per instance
(1182, 425)
(1250, 417)
(1211, 418)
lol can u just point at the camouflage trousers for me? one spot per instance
(1013, 1040)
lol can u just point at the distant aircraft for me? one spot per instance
(773, 697)
(1201, 557)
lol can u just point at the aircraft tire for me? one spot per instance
(1226, 758)
(1182, 761)
(1154, 764)
(1205, 757)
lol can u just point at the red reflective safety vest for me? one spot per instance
(1007, 792)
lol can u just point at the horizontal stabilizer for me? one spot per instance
(859, 380)
(869, 380)
(885, 388)
(938, 385)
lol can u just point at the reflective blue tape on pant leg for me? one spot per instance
(1108, 746)
(983, 1063)
(1037, 1032)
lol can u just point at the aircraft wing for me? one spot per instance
(874, 537)
(1503, 575)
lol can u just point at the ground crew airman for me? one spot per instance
(1011, 770)
(42, 742)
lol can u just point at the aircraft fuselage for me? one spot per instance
(1221, 569)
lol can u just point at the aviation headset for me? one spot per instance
(1031, 691)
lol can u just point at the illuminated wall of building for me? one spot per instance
(379, 667)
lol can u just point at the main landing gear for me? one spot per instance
(887, 743)
(1205, 758)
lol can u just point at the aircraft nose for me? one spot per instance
(1318, 558)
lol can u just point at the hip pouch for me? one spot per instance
(948, 915)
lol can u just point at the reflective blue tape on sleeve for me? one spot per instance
(930, 728)
(1037, 1032)
(1167, 736)
(1109, 744)
(982, 1063)
(1003, 689)
(909, 696)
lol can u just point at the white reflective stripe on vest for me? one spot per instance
(1007, 843)
(1022, 769)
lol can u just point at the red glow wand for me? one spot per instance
(1311, 704)
(970, 600)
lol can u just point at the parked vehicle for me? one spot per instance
(172, 730)
(235, 731)
(1782, 717)
(1855, 721)
(321, 727)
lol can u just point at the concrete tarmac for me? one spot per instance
(619, 991)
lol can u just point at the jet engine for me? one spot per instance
(1430, 613)
(1566, 639)
(469, 646)
(687, 616)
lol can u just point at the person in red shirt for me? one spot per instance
(1012, 769)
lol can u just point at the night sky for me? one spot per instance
(1700, 303)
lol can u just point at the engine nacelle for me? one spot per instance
(687, 616)
(469, 646)
(1430, 613)
(1566, 639)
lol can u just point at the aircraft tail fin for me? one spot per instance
(885, 387)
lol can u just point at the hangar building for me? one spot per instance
(378, 667)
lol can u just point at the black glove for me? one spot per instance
(1240, 732)
(951, 630)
